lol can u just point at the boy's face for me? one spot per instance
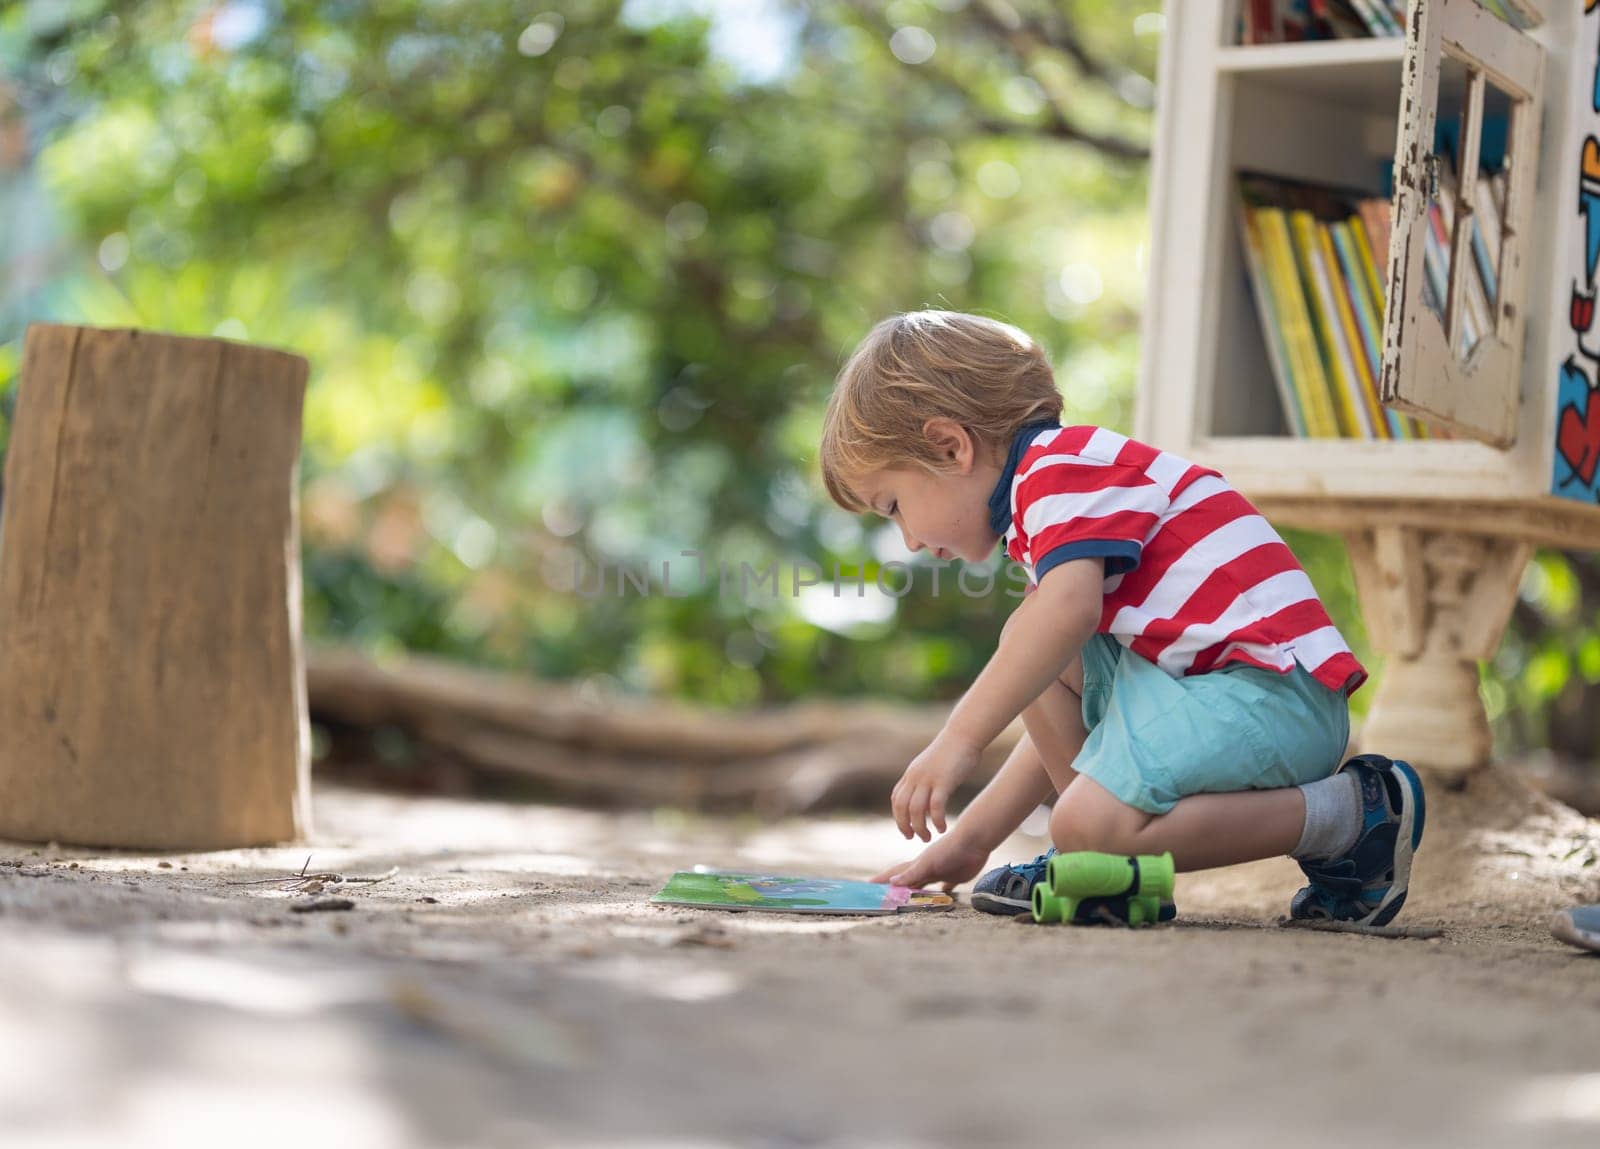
(945, 513)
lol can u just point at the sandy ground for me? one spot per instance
(510, 986)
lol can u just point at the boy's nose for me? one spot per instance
(912, 544)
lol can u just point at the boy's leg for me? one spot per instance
(1365, 882)
(1234, 765)
(1201, 831)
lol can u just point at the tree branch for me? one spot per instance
(1059, 129)
(1058, 102)
(1027, 37)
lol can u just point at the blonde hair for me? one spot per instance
(988, 376)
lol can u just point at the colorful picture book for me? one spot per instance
(1316, 259)
(795, 895)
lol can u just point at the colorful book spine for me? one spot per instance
(1369, 228)
(1330, 339)
(1343, 352)
(1350, 300)
(1257, 20)
(1366, 293)
(1340, 20)
(1372, 18)
(1298, 335)
(1480, 255)
(1477, 301)
(1277, 353)
(1475, 318)
(1377, 17)
(1486, 236)
(1375, 218)
(1524, 14)
(1436, 260)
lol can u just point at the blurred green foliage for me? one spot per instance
(574, 286)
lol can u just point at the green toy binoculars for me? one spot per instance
(1086, 887)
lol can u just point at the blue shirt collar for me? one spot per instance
(1000, 498)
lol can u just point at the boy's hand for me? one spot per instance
(928, 782)
(950, 861)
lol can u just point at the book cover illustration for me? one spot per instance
(795, 895)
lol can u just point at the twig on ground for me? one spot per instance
(313, 883)
(1423, 932)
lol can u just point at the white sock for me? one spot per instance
(1333, 817)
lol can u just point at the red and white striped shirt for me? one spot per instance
(1195, 577)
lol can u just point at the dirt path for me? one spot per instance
(510, 987)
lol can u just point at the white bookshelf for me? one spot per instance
(1335, 113)
(1353, 73)
(1323, 112)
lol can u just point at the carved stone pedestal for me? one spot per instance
(1436, 602)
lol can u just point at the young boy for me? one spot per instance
(1181, 684)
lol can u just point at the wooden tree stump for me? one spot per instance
(152, 689)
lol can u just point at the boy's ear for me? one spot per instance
(953, 441)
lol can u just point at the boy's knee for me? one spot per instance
(1073, 829)
(1105, 825)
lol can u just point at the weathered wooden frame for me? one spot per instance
(1422, 373)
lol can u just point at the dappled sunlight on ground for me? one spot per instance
(511, 981)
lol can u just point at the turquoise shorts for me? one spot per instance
(1154, 739)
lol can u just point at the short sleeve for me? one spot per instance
(1076, 508)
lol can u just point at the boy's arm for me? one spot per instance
(1063, 613)
(1011, 795)
(1016, 790)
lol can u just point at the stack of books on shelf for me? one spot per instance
(1316, 259)
(1282, 21)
